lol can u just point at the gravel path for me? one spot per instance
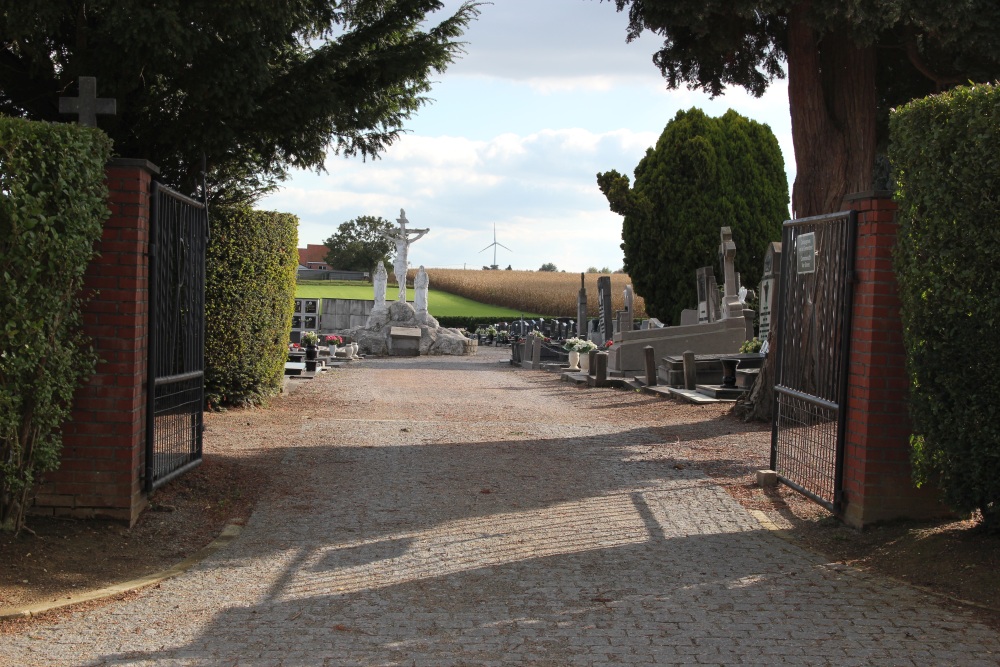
(436, 511)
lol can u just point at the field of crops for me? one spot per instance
(548, 292)
(439, 303)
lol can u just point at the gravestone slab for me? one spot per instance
(604, 306)
(706, 292)
(769, 288)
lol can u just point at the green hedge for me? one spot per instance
(946, 153)
(53, 203)
(249, 299)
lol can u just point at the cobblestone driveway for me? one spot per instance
(446, 512)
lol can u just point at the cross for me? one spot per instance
(88, 104)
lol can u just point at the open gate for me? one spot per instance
(175, 390)
(811, 363)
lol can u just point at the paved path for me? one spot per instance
(446, 512)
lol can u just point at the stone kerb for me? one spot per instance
(878, 482)
(103, 452)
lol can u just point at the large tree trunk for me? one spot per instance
(831, 93)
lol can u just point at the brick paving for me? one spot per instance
(447, 512)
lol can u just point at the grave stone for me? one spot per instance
(628, 324)
(604, 306)
(769, 287)
(581, 309)
(706, 291)
(731, 306)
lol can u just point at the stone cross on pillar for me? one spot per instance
(581, 310)
(731, 306)
(88, 104)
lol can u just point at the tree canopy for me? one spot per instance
(847, 61)
(703, 174)
(548, 266)
(259, 87)
(359, 246)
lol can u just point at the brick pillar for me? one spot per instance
(103, 443)
(878, 483)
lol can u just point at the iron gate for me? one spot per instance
(813, 344)
(175, 391)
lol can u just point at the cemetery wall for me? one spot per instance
(340, 314)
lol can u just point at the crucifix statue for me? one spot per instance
(88, 104)
(401, 238)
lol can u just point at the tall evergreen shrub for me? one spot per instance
(946, 153)
(249, 300)
(703, 174)
(53, 204)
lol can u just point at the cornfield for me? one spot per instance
(544, 292)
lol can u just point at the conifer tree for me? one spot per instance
(703, 174)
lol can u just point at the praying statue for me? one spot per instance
(401, 238)
(380, 281)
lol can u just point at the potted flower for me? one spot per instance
(310, 339)
(332, 341)
(579, 352)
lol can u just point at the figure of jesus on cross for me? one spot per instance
(402, 240)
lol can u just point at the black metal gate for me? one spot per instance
(175, 391)
(813, 344)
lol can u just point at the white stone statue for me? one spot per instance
(628, 298)
(421, 286)
(380, 281)
(402, 240)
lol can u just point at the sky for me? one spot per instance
(547, 95)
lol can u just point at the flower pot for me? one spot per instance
(585, 361)
(311, 352)
(574, 361)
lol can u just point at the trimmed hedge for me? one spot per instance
(53, 204)
(249, 300)
(946, 153)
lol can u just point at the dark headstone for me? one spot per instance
(769, 288)
(604, 305)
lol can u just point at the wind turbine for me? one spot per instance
(494, 246)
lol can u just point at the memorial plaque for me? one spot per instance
(805, 253)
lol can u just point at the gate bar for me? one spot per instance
(154, 211)
(845, 362)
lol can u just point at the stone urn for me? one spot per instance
(574, 361)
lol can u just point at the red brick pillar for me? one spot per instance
(878, 483)
(103, 443)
